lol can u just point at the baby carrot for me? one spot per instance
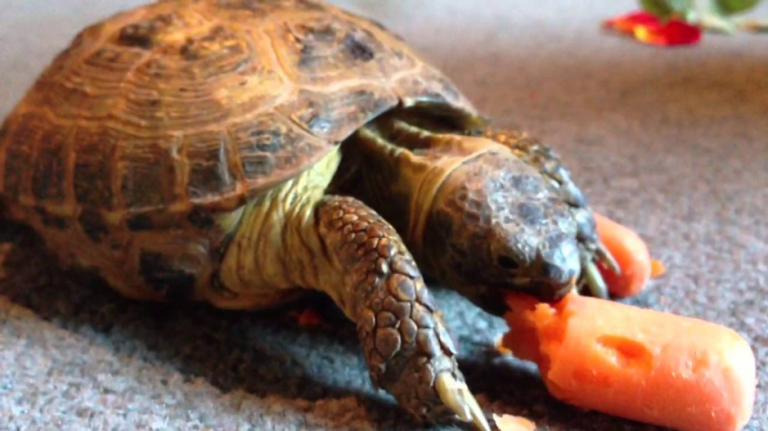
(653, 367)
(630, 252)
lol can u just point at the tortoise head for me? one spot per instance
(496, 224)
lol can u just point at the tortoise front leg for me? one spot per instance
(547, 162)
(407, 346)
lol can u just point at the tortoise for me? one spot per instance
(243, 152)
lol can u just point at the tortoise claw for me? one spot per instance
(605, 256)
(457, 397)
(594, 279)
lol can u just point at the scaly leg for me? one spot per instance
(549, 164)
(407, 346)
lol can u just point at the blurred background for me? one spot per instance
(672, 142)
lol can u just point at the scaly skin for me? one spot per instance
(548, 163)
(297, 236)
(405, 340)
(208, 181)
(482, 211)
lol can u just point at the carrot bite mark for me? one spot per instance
(635, 363)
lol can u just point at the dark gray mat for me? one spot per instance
(671, 142)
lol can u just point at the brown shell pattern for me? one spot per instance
(200, 104)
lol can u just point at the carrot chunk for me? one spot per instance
(630, 252)
(309, 318)
(513, 423)
(657, 268)
(644, 365)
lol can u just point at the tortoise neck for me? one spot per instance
(401, 161)
(276, 246)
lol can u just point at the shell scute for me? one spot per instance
(209, 159)
(318, 51)
(50, 167)
(271, 144)
(93, 168)
(93, 224)
(144, 34)
(149, 174)
(201, 104)
(336, 114)
(18, 152)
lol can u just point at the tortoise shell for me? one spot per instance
(201, 104)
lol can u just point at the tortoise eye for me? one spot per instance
(508, 263)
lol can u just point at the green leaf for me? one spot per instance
(660, 8)
(730, 7)
(666, 8)
(683, 6)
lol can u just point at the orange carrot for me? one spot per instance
(631, 254)
(309, 318)
(657, 268)
(635, 363)
(513, 423)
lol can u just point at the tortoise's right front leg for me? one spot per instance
(408, 349)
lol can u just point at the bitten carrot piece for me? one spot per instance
(630, 252)
(513, 423)
(657, 268)
(645, 365)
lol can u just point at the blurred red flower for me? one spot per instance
(649, 29)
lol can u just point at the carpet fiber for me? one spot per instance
(673, 143)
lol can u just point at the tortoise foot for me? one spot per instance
(408, 349)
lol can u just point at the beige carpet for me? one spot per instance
(671, 142)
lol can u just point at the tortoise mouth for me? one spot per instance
(487, 289)
(536, 280)
(491, 297)
(550, 290)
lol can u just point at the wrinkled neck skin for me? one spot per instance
(275, 245)
(473, 214)
(402, 183)
(405, 181)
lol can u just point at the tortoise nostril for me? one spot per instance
(507, 262)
